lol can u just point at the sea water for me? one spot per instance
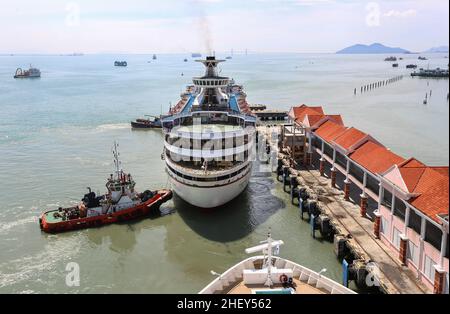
(56, 135)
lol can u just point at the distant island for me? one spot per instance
(371, 49)
(441, 49)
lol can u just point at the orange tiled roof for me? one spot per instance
(432, 187)
(375, 158)
(441, 170)
(301, 111)
(412, 163)
(350, 137)
(430, 184)
(336, 118)
(330, 130)
(411, 176)
(313, 118)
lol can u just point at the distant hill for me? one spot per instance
(438, 49)
(371, 49)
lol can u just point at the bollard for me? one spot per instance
(294, 190)
(333, 178)
(322, 167)
(286, 180)
(300, 205)
(363, 205)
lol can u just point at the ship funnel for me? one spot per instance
(211, 66)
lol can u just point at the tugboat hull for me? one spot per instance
(139, 211)
(142, 125)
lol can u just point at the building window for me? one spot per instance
(373, 184)
(415, 221)
(428, 268)
(387, 199)
(396, 238)
(384, 226)
(413, 253)
(400, 209)
(340, 160)
(357, 172)
(433, 235)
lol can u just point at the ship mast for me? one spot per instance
(117, 162)
(269, 282)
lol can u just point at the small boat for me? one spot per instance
(121, 203)
(154, 57)
(229, 58)
(411, 66)
(30, 73)
(185, 60)
(151, 122)
(422, 58)
(433, 73)
(271, 274)
(390, 59)
(120, 63)
(395, 65)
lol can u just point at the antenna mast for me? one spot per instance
(116, 157)
(269, 281)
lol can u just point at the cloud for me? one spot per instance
(313, 2)
(401, 14)
(260, 25)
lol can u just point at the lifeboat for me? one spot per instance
(121, 203)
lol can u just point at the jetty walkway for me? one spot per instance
(367, 254)
(393, 277)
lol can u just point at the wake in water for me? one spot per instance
(116, 126)
(46, 261)
(5, 227)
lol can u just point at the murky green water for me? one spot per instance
(55, 139)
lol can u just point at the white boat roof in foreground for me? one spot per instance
(267, 274)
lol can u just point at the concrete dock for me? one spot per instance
(268, 115)
(392, 276)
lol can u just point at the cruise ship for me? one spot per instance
(209, 138)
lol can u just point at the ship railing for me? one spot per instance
(230, 113)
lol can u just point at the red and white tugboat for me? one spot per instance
(121, 203)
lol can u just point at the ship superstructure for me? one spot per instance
(272, 274)
(209, 140)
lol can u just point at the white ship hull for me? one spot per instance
(210, 197)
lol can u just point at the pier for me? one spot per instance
(378, 84)
(337, 218)
(271, 115)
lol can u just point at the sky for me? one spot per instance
(179, 26)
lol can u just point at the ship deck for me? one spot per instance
(197, 169)
(300, 288)
(50, 218)
(209, 128)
